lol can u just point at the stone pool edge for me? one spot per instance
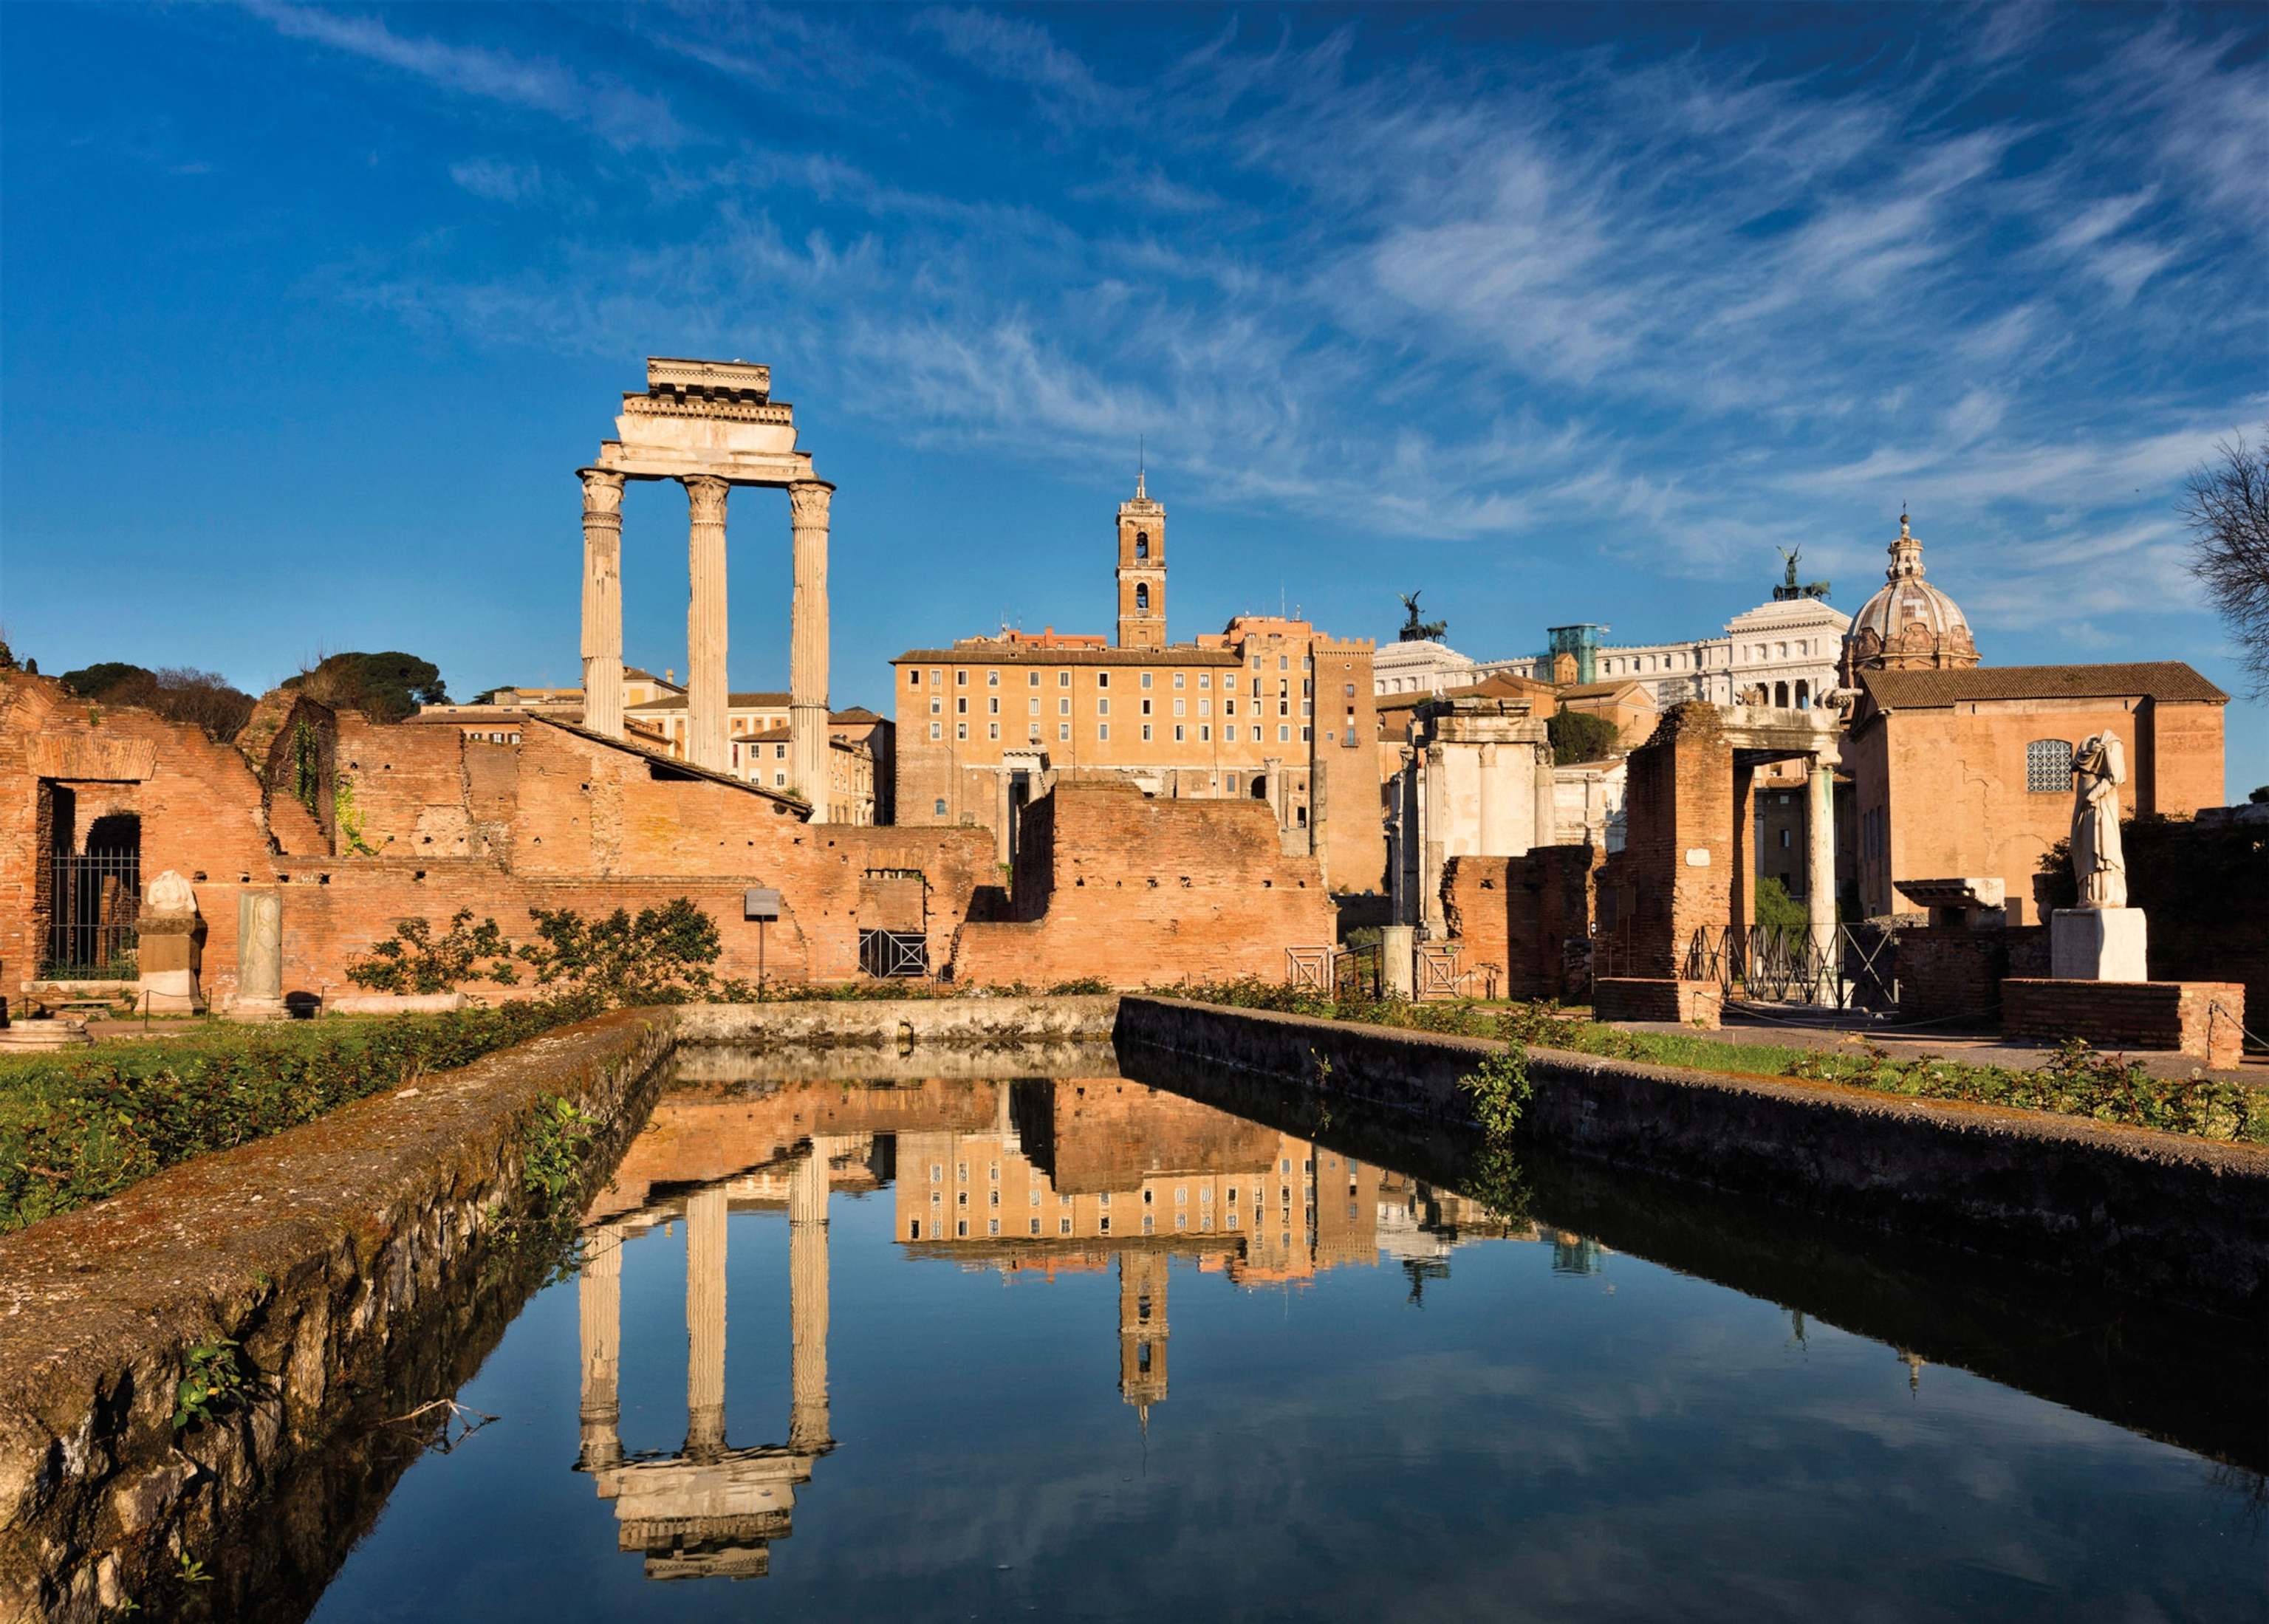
(2154, 1215)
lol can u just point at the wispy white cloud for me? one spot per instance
(620, 115)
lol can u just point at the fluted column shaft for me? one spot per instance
(807, 661)
(705, 626)
(599, 1302)
(807, 1274)
(705, 1322)
(603, 601)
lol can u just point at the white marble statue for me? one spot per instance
(169, 893)
(2099, 768)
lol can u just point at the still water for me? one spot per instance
(955, 1349)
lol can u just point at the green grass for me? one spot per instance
(2077, 1081)
(78, 1126)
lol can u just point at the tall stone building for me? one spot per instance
(1269, 709)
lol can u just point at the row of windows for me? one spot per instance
(1102, 678)
(1230, 732)
(1103, 707)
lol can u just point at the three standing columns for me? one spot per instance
(603, 601)
(807, 654)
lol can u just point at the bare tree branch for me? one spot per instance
(2226, 506)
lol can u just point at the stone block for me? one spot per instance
(2098, 944)
(1628, 998)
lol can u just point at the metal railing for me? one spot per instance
(1309, 970)
(1439, 973)
(91, 926)
(1770, 964)
(1359, 973)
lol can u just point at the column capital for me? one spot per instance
(602, 491)
(808, 501)
(706, 493)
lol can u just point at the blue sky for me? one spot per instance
(307, 316)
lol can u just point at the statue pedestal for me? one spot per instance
(2097, 944)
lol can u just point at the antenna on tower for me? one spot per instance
(1142, 465)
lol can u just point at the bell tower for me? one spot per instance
(1142, 570)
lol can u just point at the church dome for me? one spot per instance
(1909, 625)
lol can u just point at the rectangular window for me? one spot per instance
(1283, 736)
(1063, 733)
(1180, 733)
(961, 1228)
(1205, 733)
(961, 704)
(1063, 1226)
(1146, 707)
(1205, 707)
(992, 730)
(991, 679)
(1103, 707)
(1146, 679)
(913, 679)
(1035, 1227)
(1034, 677)
(938, 730)
(936, 704)
(1307, 735)
(1181, 707)
(961, 730)
(941, 813)
(938, 679)
(1034, 705)
(1063, 679)
(1229, 707)
(1103, 732)
(1179, 676)
(993, 705)
(1146, 732)
(1063, 707)
(961, 679)
(2048, 767)
(1103, 679)
(1205, 679)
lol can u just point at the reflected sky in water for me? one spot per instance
(1367, 1398)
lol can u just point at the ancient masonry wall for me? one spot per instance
(429, 823)
(1952, 974)
(1522, 914)
(1676, 872)
(1136, 891)
(2160, 1215)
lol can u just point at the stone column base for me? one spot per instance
(257, 1009)
(2097, 944)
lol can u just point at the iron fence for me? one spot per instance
(1359, 973)
(1854, 968)
(90, 924)
(1309, 970)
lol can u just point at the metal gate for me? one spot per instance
(901, 954)
(90, 927)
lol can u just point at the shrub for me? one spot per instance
(411, 960)
(1579, 736)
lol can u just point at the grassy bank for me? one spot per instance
(2078, 1081)
(79, 1126)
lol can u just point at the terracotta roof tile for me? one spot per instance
(2155, 679)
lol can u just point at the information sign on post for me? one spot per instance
(762, 906)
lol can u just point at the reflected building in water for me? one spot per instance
(1035, 1177)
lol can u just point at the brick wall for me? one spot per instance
(1621, 998)
(1520, 913)
(1949, 972)
(561, 820)
(2120, 1015)
(1138, 892)
(1679, 800)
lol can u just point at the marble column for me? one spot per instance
(603, 601)
(599, 1302)
(705, 696)
(704, 1323)
(1820, 872)
(807, 1276)
(807, 658)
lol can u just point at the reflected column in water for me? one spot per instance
(599, 1298)
(807, 1273)
(704, 1323)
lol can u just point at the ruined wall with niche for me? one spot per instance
(1521, 914)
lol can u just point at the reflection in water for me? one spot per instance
(1251, 1385)
(1026, 1177)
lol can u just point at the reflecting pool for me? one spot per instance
(954, 1348)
